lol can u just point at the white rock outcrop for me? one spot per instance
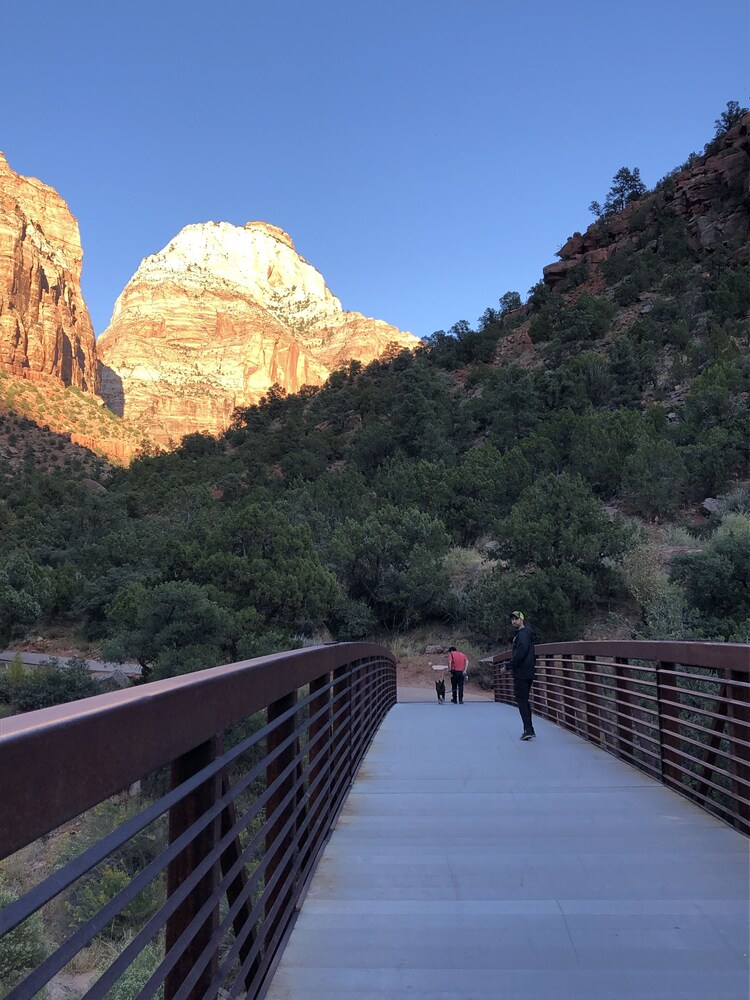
(217, 317)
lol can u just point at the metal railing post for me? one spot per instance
(342, 710)
(320, 733)
(623, 707)
(276, 843)
(357, 712)
(593, 714)
(542, 685)
(498, 677)
(738, 733)
(569, 719)
(538, 688)
(669, 725)
(181, 816)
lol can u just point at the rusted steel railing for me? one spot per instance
(680, 711)
(247, 767)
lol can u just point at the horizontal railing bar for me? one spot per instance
(242, 823)
(612, 705)
(171, 958)
(139, 882)
(607, 684)
(721, 655)
(654, 759)
(706, 711)
(696, 709)
(344, 710)
(707, 768)
(717, 679)
(545, 681)
(619, 714)
(59, 958)
(56, 883)
(703, 780)
(130, 733)
(578, 703)
(686, 726)
(250, 957)
(591, 669)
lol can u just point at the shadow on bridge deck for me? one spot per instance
(467, 864)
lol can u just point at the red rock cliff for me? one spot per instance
(45, 329)
(712, 197)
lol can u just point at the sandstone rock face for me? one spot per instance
(45, 329)
(712, 197)
(215, 319)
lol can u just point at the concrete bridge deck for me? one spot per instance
(466, 864)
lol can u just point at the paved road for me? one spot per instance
(466, 864)
(95, 667)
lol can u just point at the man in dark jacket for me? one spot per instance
(523, 665)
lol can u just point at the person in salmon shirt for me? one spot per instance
(457, 664)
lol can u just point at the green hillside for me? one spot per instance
(554, 458)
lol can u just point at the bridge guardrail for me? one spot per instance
(260, 756)
(680, 711)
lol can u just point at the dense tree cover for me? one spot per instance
(392, 562)
(335, 508)
(25, 591)
(27, 689)
(559, 549)
(716, 581)
(224, 549)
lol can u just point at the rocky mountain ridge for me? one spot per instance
(215, 319)
(208, 324)
(712, 196)
(707, 199)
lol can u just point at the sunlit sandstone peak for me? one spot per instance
(217, 317)
(45, 329)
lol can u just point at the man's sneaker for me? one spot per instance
(528, 736)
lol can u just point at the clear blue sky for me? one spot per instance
(426, 156)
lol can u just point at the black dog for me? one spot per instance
(440, 688)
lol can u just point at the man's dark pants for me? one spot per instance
(457, 685)
(522, 690)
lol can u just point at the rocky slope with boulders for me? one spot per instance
(704, 204)
(711, 196)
